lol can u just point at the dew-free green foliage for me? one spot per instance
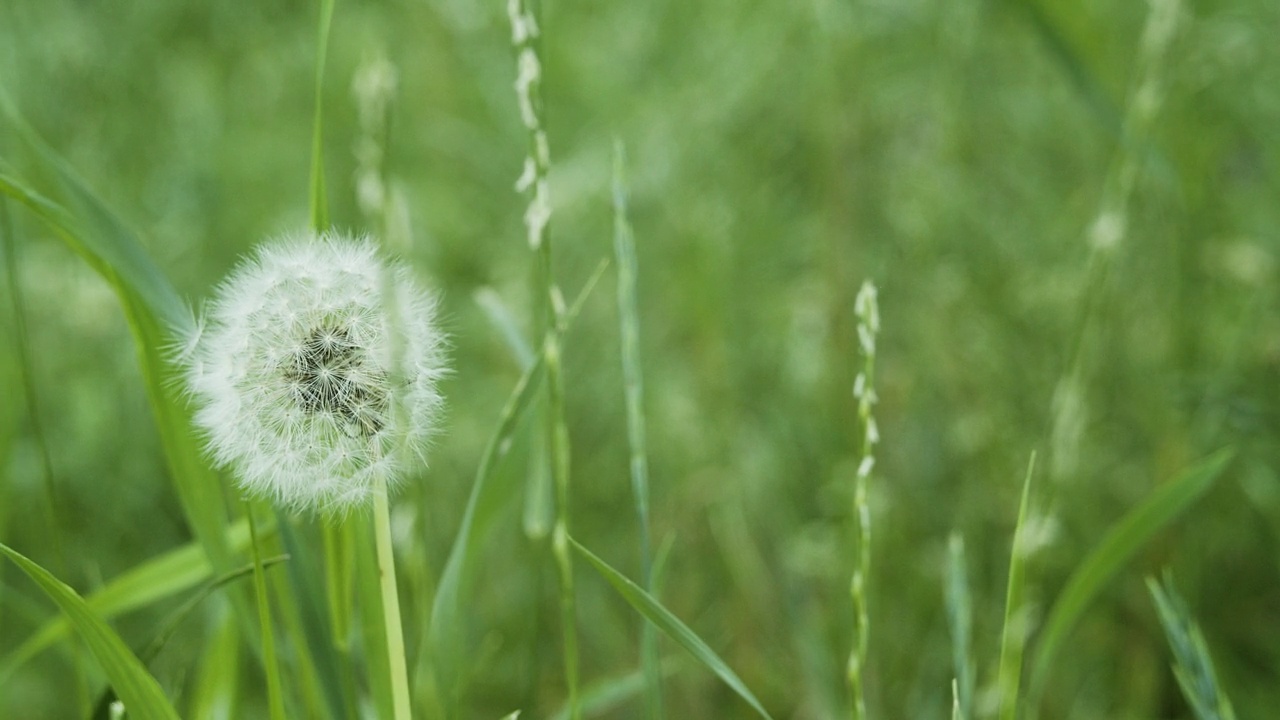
(967, 157)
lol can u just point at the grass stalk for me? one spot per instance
(868, 312)
(275, 690)
(390, 602)
(1013, 637)
(633, 381)
(525, 36)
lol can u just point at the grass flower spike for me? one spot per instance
(314, 372)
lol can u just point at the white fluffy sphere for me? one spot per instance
(314, 372)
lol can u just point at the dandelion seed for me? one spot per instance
(315, 372)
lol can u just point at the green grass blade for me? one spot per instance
(1193, 666)
(502, 320)
(482, 509)
(960, 618)
(176, 618)
(312, 627)
(369, 608)
(319, 202)
(217, 682)
(1013, 638)
(624, 246)
(135, 686)
(275, 686)
(153, 310)
(669, 624)
(165, 576)
(1121, 543)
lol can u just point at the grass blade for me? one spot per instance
(175, 619)
(1120, 544)
(311, 626)
(169, 574)
(135, 686)
(319, 203)
(500, 317)
(275, 687)
(669, 624)
(482, 509)
(217, 684)
(1192, 664)
(153, 309)
(1016, 619)
(624, 246)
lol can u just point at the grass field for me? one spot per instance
(1071, 212)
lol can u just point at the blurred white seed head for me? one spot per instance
(314, 371)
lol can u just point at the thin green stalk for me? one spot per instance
(275, 691)
(559, 435)
(525, 36)
(390, 602)
(633, 381)
(868, 312)
(1013, 637)
(319, 204)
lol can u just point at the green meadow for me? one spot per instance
(669, 481)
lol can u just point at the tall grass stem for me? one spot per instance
(633, 381)
(275, 689)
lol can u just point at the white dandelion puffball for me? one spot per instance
(314, 370)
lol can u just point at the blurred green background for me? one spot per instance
(957, 153)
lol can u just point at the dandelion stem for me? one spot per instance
(390, 602)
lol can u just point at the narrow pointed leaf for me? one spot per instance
(1116, 549)
(672, 626)
(135, 686)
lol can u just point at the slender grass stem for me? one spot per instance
(1013, 637)
(525, 36)
(390, 602)
(629, 319)
(275, 691)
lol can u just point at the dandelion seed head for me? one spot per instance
(315, 372)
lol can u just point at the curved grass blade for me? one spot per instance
(154, 580)
(312, 629)
(482, 509)
(672, 626)
(217, 684)
(483, 506)
(135, 686)
(153, 310)
(500, 317)
(1120, 544)
(624, 245)
(1013, 638)
(175, 619)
